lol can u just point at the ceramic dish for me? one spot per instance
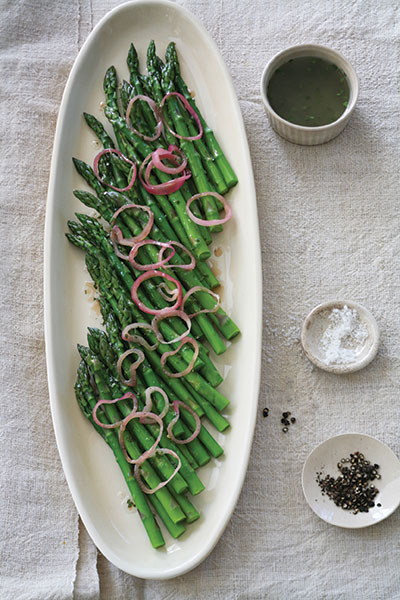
(325, 458)
(300, 134)
(317, 322)
(94, 479)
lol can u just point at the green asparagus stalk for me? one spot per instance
(119, 125)
(149, 295)
(149, 475)
(104, 209)
(139, 121)
(136, 87)
(126, 313)
(151, 378)
(173, 110)
(106, 353)
(213, 145)
(157, 94)
(220, 319)
(87, 401)
(178, 232)
(176, 199)
(187, 279)
(186, 474)
(214, 174)
(133, 65)
(178, 386)
(157, 462)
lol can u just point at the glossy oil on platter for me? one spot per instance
(96, 484)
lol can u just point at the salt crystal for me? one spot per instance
(344, 337)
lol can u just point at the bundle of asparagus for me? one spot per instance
(122, 398)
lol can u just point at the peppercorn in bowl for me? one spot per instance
(352, 480)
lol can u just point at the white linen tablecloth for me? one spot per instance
(329, 223)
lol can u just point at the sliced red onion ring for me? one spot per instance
(149, 401)
(176, 404)
(100, 402)
(140, 415)
(169, 187)
(162, 154)
(118, 153)
(190, 110)
(204, 222)
(161, 262)
(166, 293)
(157, 115)
(153, 311)
(185, 267)
(173, 313)
(138, 339)
(146, 229)
(200, 288)
(116, 238)
(116, 235)
(132, 369)
(164, 357)
(143, 487)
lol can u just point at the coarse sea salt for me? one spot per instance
(344, 337)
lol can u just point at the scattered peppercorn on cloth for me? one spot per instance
(329, 224)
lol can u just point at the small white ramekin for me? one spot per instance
(299, 134)
(317, 321)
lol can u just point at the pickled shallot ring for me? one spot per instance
(161, 262)
(137, 238)
(185, 267)
(158, 164)
(116, 237)
(152, 164)
(190, 110)
(140, 415)
(204, 222)
(166, 293)
(173, 313)
(153, 311)
(138, 338)
(138, 478)
(118, 153)
(175, 405)
(200, 288)
(169, 187)
(162, 154)
(132, 369)
(100, 402)
(156, 112)
(149, 402)
(165, 356)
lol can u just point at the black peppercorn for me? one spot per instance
(352, 490)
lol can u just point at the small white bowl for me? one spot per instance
(324, 458)
(299, 134)
(316, 323)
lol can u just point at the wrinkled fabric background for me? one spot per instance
(329, 224)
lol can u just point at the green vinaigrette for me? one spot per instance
(309, 91)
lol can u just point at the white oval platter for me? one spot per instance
(95, 482)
